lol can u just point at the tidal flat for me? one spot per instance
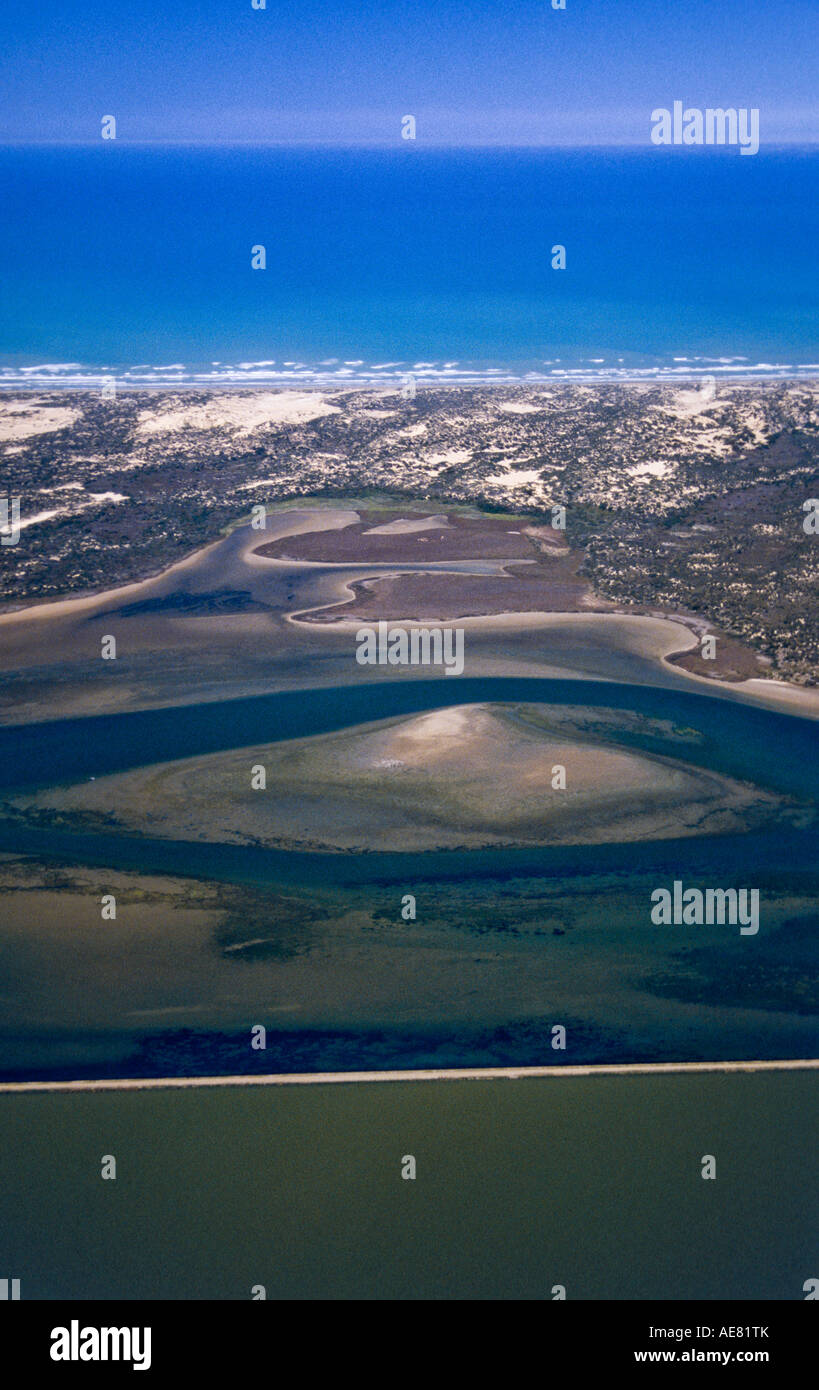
(290, 907)
(230, 619)
(465, 776)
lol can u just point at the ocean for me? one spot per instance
(135, 261)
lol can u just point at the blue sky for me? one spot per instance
(472, 73)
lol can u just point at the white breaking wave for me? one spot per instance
(357, 372)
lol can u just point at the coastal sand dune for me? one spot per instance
(25, 419)
(241, 414)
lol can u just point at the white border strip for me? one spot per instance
(334, 1078)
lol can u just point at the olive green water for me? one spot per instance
(591, 1182)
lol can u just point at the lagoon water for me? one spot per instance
(589, 1182)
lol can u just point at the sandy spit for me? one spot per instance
(333, 1078)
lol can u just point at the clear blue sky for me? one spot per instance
(470, 71)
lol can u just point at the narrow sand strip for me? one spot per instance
(333, 1078)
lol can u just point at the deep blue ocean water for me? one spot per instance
(119, 257)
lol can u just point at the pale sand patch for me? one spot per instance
(756, 424)
(241, 414)
(23, 419)
(450, 456)
(652, 470)
(714, 441)
(453, 723)
(685, 404)
(92, 499)
(405, 526)
(516, 477)
(708, 434)
(38, 517)
(519, 408)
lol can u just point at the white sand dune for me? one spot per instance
(242, 414)
(23, 419)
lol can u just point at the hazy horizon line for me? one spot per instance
(393, 143)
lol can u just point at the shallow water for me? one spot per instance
(379, 1000)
